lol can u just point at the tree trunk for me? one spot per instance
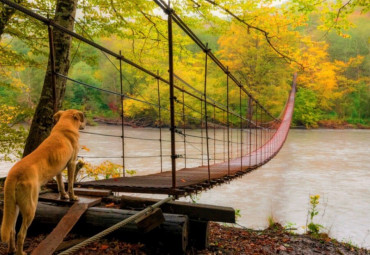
(43, 117)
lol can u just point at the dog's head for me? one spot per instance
(76, 115)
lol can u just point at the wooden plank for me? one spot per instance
(193, 211)
(55, 238)
(55, 198)
(93, 192)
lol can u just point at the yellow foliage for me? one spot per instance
(323, 76)
(105, 170)
(8, 114)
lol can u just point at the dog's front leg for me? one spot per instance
(61, 189)
(71, 176)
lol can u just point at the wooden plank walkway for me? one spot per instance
(55, 238)
(188, 180)
(191, 180)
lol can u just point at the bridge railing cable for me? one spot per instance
(191, 124)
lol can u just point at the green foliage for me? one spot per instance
(12, 137)
(306, 110)
(131, 172)
(194, 198)
(290, 227)
(272, 221)
(314, 228)
(238, 215)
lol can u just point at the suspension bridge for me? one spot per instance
(203, 139)
(230, 139)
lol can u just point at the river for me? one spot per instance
(332, 163)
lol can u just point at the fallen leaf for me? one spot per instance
(83, 147)
(282, 248)
(104, 247)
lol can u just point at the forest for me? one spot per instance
(262, 42)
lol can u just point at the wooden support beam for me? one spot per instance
(198, 234)
(193, 211)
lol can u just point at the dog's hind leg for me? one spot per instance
(71, 177)
(11, 248)
(61, 189)
(27, 202)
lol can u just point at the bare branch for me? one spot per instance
(336, 19)
(147, 17)
(117, 13)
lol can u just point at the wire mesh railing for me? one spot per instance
(192, 127)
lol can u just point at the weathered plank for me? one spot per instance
(93, 192)
(193, 211)
(55, 238)
(55, 198)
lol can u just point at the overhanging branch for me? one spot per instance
(264, 32)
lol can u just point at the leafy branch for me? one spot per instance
(264, 32)
(337, 18)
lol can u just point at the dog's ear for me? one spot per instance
(57, 116)
(79, 116)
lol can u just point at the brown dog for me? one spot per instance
(24, 180)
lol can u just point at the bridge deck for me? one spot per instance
(188, 180)
(191, 180)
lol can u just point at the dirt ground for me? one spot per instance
(222, 240)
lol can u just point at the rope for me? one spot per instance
(114, 227)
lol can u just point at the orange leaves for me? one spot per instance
(83, 147)
(104, 247)
(110, 205)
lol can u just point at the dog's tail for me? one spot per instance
(9, 213)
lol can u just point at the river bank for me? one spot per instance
(325, 124)
(340, 124)
(222, 240)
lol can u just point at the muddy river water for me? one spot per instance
(332, 163)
